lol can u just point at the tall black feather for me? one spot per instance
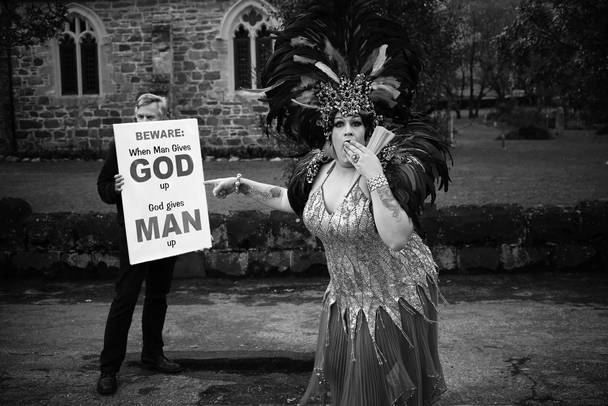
(344, 35)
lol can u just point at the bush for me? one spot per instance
(519, 117)
(602, 130)
(70, 154)
(529, 133)
(253, 151)
(249, 151)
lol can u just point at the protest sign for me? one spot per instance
(164, 201)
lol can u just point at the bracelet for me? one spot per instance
(237, 183)
(376, 182)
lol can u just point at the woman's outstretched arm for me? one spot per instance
(272, 196)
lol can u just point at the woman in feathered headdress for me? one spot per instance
(336, 72)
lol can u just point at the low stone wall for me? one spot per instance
(491, 238)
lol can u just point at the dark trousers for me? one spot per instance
(158, 275)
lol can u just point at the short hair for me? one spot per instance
(149, 98)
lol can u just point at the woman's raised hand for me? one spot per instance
(222, 187)
(363, 159)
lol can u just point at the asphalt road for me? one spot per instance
(521, 339)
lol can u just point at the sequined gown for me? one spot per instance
(377, 340)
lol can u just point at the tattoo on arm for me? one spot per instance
(272, 193)
(389, 201)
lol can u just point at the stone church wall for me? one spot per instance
(163, 46)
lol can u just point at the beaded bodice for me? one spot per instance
(365, 274)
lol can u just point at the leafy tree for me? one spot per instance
(480, 67)
(430, 25)
(25, 23)
(559, 49)
(288, 9)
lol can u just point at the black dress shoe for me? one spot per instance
(106, 384)
(161, 363)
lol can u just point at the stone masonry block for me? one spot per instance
(217, 223)
(247, 229)
(552, 224)
(52, 124)
(110, 260)
(96, 231)
(190, 265)
(44, 231)
(516, 256)
(594, 220)
(446, 257)
(42, 134)
(28, 124)
(234, 141)
(260, 109)
(127, 67)
(568, 256)
(474, 258)
(267, 263)
(93, 123)
(226, 263)
(211, 75)
(309, 262)
(34, 260)
(288, 232)
(468, 224)
(106, 132)
(78, 260)
(111, 120)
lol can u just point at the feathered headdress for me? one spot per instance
(340, 56)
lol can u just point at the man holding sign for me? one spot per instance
(145, 175)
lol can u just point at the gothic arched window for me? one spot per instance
(263, 50)
(246, 28)
(242, 59)
(79, 57)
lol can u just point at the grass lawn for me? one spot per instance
(562, 171)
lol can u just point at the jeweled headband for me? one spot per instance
(349, 98)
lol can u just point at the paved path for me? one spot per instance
(504, 340)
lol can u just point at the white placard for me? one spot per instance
(164, 201)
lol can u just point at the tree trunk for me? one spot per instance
(463, 84)
(11, 130)
(482, 85)
(478, 103)
(471, 81)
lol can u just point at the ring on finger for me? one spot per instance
(355, 158)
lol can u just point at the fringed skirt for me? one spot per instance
(400, 368)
